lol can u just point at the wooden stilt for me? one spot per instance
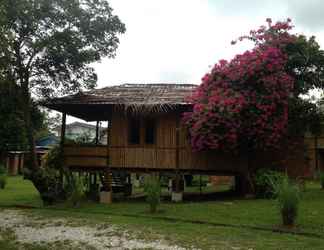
(200, 191)
(97, 133)
(106, 193)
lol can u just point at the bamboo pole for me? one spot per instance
(97, 133)
(63, 127)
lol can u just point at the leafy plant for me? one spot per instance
(53, 159)
(3, 181)
(265, 182)
(77, 191)
(321, 178)
(3, 170)
(288, 197)
(152, 188)
(3, 177)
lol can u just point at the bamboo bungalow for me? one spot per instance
(145, 133)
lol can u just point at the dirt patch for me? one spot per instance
(31, 230)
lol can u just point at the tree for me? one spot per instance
(12, 130)
(253, 102)
(47, 46)
(13, 134)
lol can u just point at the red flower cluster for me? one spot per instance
(245, 101)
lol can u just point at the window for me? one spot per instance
(134, 131)
(150, 127)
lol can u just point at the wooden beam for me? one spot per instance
(63, 128)
(177, 159)
(97, 133)
(316, 156)
(62, 145)
(108, 132)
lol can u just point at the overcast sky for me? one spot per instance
(177, 40)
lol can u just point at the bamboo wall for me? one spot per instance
(160, 155)
(164, 154)
(172, 151)
(315, 151)
(85, 156)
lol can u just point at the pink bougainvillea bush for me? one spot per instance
(242, 104)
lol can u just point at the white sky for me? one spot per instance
(178, 40)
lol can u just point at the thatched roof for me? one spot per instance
(130, 97)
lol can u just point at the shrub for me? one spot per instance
(53, 159)
(77, 191)
(3, 170)
(3, 181)
(287, 194)
(321, 178)
(152, 188)
(52, 180)
(265, 181)
(3, 177)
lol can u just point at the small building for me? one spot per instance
(82, 131)
(145, 133)
(47, 141)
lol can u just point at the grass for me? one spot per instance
(19, 192)
(259, 213)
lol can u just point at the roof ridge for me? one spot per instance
(130, 85)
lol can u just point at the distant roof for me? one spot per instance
(80, 124)
(47, 140)
(136, 97)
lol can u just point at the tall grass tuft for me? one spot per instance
(77, 192)
(152, 188)
(288, 197)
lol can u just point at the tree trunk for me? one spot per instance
(250, 188)
(243, 186)
(29, 127)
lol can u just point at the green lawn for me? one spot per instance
(252, 213)
(19, 192)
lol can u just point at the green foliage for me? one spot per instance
(11, 124)
(321, 178)
(265, 182)
(51, 180)
(13, 135)
(306, 65)
(3, 177)
(77, 191)
(53, 159)
(152, 189)
(304, 116)
(47, 47)
(50, 44)
(84, 138)
(62, 181)
(306, 61)
(46, 181)
(3, 181)
(288, 197)
(3, 170)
